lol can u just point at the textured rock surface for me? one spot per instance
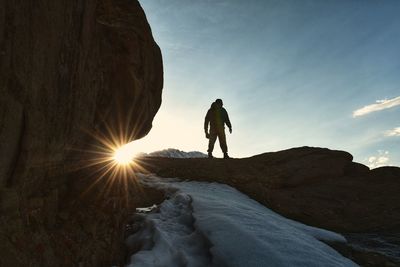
(67, 68)
(319, 187)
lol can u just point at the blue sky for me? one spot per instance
(291, 73)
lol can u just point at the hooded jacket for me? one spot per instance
(217, 117)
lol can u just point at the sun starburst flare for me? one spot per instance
(123, 155)
(110, 166)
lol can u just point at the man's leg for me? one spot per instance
(211, 142)
(222, 142)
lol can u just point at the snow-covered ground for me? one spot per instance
(211, 224)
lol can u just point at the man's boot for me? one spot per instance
(226, 156)
(210, 156)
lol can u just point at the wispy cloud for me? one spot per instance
(379, 105)
(376, 161)
(393, 132)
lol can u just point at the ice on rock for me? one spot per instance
(175, 241)
(211, 224)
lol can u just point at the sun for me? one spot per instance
(112, 166)
(123, 156)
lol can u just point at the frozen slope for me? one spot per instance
(210, 224)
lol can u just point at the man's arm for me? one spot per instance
(206, 122)
(227, 121)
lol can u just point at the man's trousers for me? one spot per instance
(222, 140)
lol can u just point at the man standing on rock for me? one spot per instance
(217, 117)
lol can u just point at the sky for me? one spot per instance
(291, 73)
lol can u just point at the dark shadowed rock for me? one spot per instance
(319, 187)
(68, 69)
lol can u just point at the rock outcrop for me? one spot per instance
(69, 70)
(319, 187)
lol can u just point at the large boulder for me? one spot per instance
(69, 70)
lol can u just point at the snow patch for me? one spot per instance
(167, 237)
(211, 224)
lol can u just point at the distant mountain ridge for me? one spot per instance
(174, 153)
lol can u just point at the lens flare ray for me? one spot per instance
(112, 165)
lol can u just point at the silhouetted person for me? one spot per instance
(217, 117)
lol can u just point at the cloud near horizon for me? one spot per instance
(380, 160)
(393, 132)
(378, 106)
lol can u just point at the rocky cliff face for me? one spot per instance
(68, 69)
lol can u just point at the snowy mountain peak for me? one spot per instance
(174, 153)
